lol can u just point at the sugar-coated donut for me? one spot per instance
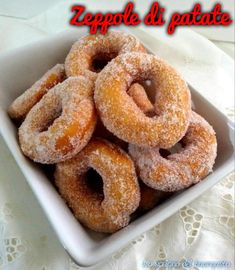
(125, 119)
(103, 133)
(61, 123)
(109, 210)
(24, 103)
(183, 169)
(150, 197)
(89, 54)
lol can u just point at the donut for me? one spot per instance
(150, 197)
(138, 94)
(103, 133)
(61, 123)
(109, 210)
(24, 103)
(89, 54)
(184, 168)
(121, 115)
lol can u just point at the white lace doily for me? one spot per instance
(202, 230)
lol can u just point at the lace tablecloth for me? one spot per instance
(202, 230)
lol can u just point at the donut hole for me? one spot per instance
(94, 181)
(50, 120)
(149, 90)
(140, 94)
(173, 150)
(164, 153)
(178, 147)
(100, 60)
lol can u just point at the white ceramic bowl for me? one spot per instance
(19, 69)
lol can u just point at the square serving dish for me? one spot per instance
(19, 69)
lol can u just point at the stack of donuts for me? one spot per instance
(117, 123)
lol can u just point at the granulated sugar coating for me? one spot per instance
(24, 103)
(101, 47)
(61, 123)
(125, 119)
(107, 212)
(180, 170)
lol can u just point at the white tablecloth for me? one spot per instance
(203, 230)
